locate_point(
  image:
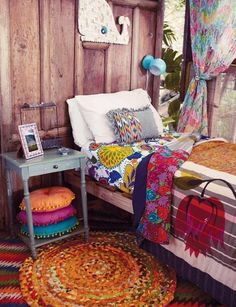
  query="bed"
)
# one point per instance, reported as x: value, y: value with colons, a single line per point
x: 199, y: 240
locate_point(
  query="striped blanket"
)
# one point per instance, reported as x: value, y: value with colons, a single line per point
x: 219, y: 260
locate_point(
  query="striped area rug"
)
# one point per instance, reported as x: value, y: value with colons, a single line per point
x: 12, y: 254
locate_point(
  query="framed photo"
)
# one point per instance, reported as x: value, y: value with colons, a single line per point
x: 30, y: 140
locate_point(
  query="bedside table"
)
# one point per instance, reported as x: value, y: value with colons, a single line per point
x: 50, y: 162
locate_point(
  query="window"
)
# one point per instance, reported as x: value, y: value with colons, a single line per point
x: 224, y: 113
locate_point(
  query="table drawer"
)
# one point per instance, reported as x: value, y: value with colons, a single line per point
x: 58, y: 166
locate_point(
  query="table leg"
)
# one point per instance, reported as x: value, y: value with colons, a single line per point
x: 29, y: 218
x: 84, y: 198
x: 60, y: 178
x: 9, y: 201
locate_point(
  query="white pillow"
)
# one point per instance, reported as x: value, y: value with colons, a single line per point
x: 95, y: 107
x: 88, y: 114
x: 157, y: 119
x: 80, y: 130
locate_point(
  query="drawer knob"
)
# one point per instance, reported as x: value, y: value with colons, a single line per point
x: 55, y: 166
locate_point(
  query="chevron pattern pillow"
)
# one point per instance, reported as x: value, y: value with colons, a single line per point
x: 131, y: 125
x: 127, y: 127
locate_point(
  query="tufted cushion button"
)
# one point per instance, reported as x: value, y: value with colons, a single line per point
x: 48, y: 199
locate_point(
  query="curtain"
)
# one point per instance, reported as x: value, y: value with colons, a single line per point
x: 213, y: 40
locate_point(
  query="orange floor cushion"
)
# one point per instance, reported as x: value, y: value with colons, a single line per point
x: 49, y: 199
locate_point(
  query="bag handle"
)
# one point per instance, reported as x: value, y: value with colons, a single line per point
x: 226, y: 182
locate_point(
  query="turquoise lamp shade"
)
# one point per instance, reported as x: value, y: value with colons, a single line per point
x: 156, y: 66
x: 147, y: 61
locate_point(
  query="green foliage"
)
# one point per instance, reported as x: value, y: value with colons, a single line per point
x: 173, y: 68
x: 168, y: 35
x: 172, y: 80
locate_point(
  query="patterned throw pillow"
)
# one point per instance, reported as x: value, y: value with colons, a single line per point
x: 133, y: 125
x: 49, y: 199
x: 128, y: 126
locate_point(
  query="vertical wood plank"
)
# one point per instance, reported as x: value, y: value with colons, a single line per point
x: 5, y: 76
x: 94, y: 68
x: 147, y: 30
x: 158, y: 49
x: 108, y: 69
x: 25, y: 59
x: 108, y: 64
x: 25, y: 64
x: 5, y: 101
x: 121, y: 55
x: 135, y: 48
x: 79, y: 59
x: 45, y: 68
x: 62, y: 29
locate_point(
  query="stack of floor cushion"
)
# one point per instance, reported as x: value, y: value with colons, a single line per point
x: 52, y: 212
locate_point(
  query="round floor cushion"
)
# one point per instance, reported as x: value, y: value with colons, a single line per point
x: 49, y: 199
x: 53, y: 230
x: 47, y: 217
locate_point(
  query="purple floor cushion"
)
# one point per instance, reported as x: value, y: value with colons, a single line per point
x: 48, y: 217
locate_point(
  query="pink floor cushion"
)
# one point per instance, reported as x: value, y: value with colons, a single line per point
x: 49, y: 217
x: 49, y: 199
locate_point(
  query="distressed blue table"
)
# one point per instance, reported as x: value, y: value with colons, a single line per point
x: 50, y: 162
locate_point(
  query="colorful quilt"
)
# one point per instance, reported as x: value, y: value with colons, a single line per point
x: 203, y: 211
x: 117, y: 166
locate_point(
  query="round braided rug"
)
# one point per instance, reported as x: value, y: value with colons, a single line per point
x: 108, y: 270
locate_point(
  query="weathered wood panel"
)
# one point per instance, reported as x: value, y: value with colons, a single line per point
x: 93, y: 71
x: 61, y: 44
x: 121, y: 55
x: 147, y: 35
x: 25, y: 56
x: 43, y: 59
x: 6, y: 113
x: 25, y: 64
x: 158, y: 50
x: 135, y: 48
x: 5, y: 101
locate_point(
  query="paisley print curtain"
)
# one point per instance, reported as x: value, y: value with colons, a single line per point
x: 213, y: 35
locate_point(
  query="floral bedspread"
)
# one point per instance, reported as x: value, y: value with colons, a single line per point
x: 116, y: 164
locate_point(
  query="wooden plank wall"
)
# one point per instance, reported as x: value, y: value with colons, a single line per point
x: 43, y: 59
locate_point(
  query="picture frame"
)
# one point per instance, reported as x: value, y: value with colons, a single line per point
x: 30, y: 140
